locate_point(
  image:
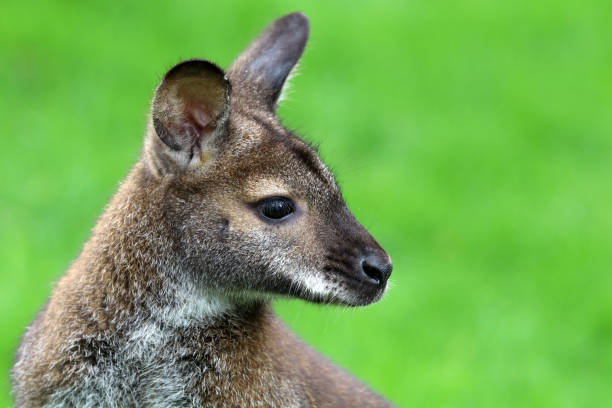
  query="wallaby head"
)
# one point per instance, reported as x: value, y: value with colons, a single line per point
x: 253, y: 210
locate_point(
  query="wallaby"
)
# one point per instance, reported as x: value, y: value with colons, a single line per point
x: 168, y: 304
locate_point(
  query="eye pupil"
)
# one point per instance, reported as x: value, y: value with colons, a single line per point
x: 276, y: 207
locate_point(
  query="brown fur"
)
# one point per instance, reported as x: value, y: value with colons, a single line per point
x: 122, y: 324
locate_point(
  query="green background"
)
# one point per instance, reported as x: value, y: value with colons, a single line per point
x: 473, y: 139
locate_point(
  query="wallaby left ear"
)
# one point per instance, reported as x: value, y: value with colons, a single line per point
x: 259, y: 73
x: 189, y: 110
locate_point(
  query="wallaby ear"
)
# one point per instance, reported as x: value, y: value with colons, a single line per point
x: 259, y: 73
x: 189, y: 110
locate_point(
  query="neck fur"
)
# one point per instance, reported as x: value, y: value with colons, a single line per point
x: 127, y: 268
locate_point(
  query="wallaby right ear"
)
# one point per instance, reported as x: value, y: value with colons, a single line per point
x: 189, y: 111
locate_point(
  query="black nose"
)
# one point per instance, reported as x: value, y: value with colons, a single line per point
x: 376, y: 269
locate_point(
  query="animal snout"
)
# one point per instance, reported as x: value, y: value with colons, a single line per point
x: 376, y: 269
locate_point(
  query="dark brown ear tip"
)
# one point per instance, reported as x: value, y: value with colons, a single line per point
x: 193, y: 67
x: 298, y: 18
x: 296, y: 22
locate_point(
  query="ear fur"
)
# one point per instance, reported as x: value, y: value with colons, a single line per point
x: 189, y: 111
x: 260, y: 72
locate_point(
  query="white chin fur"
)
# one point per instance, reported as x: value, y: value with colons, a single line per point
x: 320, y: 289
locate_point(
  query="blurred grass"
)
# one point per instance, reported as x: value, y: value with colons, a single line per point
x: 473, y: 139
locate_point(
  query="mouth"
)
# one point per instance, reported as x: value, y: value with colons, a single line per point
x: 356, y: 291
x: 345, y: 289
x: 361, y: 281
x: 346, y: 281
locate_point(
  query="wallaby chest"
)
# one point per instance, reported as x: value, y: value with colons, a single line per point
x: 160, y: 366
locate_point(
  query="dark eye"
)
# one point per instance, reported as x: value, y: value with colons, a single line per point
x: 276, y: 208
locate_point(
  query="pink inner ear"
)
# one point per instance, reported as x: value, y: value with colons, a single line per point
x: 200, y: 116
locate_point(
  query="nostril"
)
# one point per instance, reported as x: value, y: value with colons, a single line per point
x: 372, y: 272
x: 377, y: 273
